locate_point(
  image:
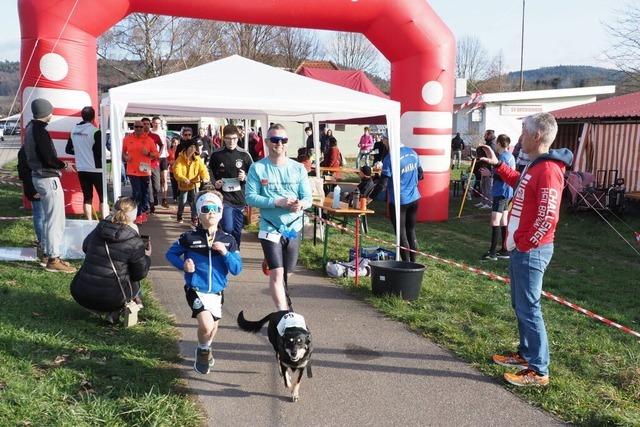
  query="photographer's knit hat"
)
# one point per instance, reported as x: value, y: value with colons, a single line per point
x: 41, y: 108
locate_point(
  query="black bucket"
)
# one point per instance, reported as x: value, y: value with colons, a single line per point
x: 401, y: 278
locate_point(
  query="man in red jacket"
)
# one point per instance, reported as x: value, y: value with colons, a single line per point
x: 532, y: 222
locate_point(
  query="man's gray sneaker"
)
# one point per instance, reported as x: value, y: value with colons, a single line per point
x: 204, y: 361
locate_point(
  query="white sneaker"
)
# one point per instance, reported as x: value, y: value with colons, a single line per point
x: 477, y: 205
x: 485, y: 207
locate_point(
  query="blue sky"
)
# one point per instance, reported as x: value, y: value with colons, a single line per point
x: 556, y: 31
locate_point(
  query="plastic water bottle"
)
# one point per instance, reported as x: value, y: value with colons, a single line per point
x: 336, y: 197
x: 355, y: 202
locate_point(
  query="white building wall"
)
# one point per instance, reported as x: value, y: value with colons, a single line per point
x: 503, y: 117
x: 348, y: 137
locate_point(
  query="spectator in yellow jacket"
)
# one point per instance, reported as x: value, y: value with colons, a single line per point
x: 189, y: 170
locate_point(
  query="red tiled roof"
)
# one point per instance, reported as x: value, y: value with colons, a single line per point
x: 327, y: 65
x: 624, y: 106
x: 352, y: 79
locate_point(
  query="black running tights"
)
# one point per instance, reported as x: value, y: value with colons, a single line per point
x: 408, y: 221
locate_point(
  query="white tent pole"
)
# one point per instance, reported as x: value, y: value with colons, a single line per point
x: 394, y: 150
x: 265, y: 135
x: 246, y: 134
x: 103, y: 141
x: 316, y: 143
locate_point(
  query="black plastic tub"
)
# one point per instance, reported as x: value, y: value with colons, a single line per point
x: 401, y: 278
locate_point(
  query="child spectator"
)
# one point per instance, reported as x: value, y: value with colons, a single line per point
x: 502, y: 194
x: 189, y: 171
x: 206, y: 255
x: 366, y: 185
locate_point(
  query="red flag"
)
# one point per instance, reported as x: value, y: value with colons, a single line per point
x: 474, y: 98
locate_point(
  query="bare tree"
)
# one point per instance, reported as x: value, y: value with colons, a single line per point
x: 354, y: 51
x: 496, y: 76
x: 201, y: 41
x: 257, y: 42
x: 155, y: 45
x: 151, y: 40
x: 295, y: 45
x: 471, y: 59
x: 625, y: 48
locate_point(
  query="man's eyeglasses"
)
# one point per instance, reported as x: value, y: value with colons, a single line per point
x: 186, y: 135
x: 205, y: 209
x: 230, y: 138
x: 276, y: 139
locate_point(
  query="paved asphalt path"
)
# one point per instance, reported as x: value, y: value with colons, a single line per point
x: 368, y: 370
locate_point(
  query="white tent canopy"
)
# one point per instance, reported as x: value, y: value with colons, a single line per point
x: 236, y: 87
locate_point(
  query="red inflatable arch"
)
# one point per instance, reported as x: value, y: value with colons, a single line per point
x: 58, y: 61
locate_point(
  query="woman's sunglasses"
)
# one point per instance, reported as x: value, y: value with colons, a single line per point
x: 276, y: 139
x: 205, y: 209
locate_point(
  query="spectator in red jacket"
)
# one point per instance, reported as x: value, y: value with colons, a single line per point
x: 532, y: 223
x: 333, y: 157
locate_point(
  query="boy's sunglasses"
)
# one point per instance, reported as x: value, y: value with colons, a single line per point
x: 205, y: 209
x: 276, y: 139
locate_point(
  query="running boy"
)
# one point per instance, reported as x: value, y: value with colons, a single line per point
x: 206, y: 255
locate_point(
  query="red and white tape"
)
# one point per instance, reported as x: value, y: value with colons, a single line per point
x: 495, y: 277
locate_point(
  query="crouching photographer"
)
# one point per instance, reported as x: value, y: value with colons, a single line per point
x: 116, y: 259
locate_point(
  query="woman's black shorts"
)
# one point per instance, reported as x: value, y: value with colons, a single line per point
x: 281, y: 254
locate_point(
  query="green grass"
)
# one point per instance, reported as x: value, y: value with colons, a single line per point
x: 595, y: 369
x: 11, y: 166
x: 59, y: 365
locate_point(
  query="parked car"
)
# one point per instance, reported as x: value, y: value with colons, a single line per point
x: 12, y: 128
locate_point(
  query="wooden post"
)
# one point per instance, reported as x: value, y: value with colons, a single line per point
x: 466, y: 189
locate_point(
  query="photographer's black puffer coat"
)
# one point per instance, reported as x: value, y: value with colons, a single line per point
x: 95, y: 285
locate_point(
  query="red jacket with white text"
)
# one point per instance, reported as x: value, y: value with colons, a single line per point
x: 536, y: 204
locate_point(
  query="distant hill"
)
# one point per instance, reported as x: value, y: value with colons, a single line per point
x: 558, y: 77
x: 566, y: 76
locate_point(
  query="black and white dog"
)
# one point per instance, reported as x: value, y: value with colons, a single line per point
x: 291, y: 340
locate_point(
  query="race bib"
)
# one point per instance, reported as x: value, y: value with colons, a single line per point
x: 291, y: 320
x: 272, y: 237
x: 144, y: 167
x: 230, y: 184
x: 212, y: 303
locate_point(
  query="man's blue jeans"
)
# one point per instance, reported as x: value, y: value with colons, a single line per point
x: 140, y: 192
x: 38, y: 221
x: 526, y: 270
x: 232, y: 221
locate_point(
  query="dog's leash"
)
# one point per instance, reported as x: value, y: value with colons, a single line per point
x: 286, y: 289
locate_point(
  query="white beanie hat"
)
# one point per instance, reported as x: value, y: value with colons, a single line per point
x: 207, y: 199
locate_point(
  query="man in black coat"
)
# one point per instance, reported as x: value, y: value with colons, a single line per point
x: 30, y: 192
x: 457, y: 145
x: 46, y: 170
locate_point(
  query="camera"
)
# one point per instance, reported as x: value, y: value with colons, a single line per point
x: 146, y: 239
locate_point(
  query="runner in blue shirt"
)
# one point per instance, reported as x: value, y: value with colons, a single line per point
x: 410, y: 174
x: 279, y: 187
